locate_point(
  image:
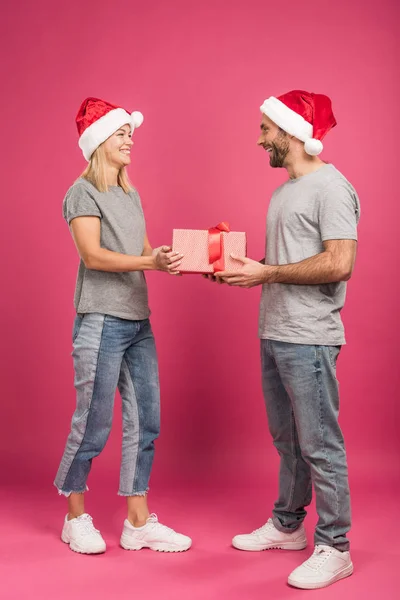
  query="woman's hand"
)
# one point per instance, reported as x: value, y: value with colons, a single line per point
x: 167, y: 260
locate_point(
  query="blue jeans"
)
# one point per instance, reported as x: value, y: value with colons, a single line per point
x: 302, y: 399
x: 109, y: 352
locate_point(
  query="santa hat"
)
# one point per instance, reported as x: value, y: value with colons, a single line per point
x: 306, y: 116
x: 97, y: 120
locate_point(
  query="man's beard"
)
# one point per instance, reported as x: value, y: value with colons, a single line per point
x: 280, y: 149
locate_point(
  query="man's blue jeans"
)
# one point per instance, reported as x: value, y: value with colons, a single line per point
x: 302, y: 400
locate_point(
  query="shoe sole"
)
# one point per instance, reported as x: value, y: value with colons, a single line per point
x: 314, y: 586
x: 75, y: 548
x: 155, y: 547
x: 284, y: 546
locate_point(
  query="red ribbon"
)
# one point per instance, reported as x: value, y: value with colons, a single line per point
x: 216, y: 246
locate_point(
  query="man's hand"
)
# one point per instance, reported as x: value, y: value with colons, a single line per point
x: 166, y: 260
x: 211, y: 277
x: 252, y: 273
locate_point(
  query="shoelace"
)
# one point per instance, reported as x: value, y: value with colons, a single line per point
x: 265, y: 528
x: 318, y: 557
x: 153, y: 519
x: 85, y: 524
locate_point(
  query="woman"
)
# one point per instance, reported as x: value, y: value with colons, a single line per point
x: 113, y: 344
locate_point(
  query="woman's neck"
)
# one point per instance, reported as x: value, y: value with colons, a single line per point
x: 112, y: 175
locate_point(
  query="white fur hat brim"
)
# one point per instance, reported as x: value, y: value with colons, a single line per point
x: 100, y: 130
x: 293, y: 123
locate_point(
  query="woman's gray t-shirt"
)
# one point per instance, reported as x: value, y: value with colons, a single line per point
x: 122, y: 229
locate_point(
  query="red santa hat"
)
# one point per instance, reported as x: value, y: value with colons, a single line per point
x: 306, y: 116
x: 97, y: 120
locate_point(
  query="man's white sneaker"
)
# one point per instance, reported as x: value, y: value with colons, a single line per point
x: 82, y: 536
x: 325, y: 566
x: 268, y: 537
x: 153, y: 535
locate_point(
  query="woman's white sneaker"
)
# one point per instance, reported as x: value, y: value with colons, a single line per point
x: 268, y: 537
x: 324, y: 567
x: 82, y: 536
x: 153, y: 535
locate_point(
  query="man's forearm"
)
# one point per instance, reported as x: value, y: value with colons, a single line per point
x: 318, y: 269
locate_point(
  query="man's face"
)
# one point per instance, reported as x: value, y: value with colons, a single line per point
x: 274, y: 141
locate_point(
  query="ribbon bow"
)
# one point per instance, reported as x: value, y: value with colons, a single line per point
x: 216, y: 246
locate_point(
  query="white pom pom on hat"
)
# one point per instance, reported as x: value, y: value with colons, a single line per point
x: 136, y: 119
x: 97, y: 120
x: 313, y: 147
x: 304, y: 115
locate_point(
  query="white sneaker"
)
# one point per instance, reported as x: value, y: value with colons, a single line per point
x: 325, y: 566
x: 153, y: 535
x: 81, y: 535
x: 268, y: 537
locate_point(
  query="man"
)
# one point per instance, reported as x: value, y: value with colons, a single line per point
x: 310, y: 254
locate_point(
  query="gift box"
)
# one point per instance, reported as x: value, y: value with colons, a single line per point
x: 209, y: 250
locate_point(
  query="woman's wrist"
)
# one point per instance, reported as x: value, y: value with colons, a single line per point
x: 149, y: 263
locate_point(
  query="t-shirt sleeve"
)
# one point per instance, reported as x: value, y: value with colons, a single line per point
x: 339, y: 213
x: 79, y: 203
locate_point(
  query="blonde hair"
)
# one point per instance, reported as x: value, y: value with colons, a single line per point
x: 95, y: 172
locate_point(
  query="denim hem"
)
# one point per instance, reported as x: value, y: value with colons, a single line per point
x: 67, y: 494
x: 127, y: 494
x: 343, y: 547
x: 281, y: 528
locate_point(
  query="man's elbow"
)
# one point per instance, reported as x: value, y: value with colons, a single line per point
x: 345, y: 273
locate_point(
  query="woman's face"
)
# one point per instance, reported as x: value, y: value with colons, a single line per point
x: 118, y: 147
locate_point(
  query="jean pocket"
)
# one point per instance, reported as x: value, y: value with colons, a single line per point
x: 333, y: 352
x: 77, y: 325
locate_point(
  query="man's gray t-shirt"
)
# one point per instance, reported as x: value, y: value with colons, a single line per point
x: 122, y: 229
x: 303, y: 213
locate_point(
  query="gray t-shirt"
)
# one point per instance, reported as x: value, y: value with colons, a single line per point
x: 122, y: 229
x: 303, y: 213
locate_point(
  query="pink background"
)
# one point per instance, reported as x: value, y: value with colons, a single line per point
x: 199, y: 72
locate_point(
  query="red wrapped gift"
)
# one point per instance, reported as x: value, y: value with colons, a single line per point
x: 208, y: 251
